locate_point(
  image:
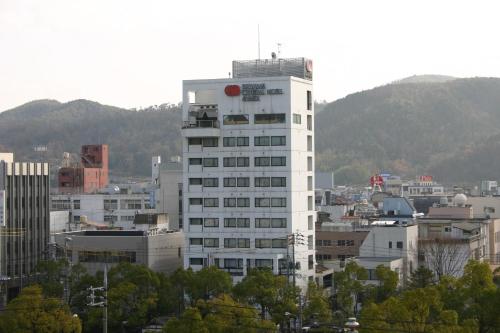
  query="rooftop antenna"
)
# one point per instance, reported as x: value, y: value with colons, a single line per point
x: 258, y: 40
x: 279, y: 50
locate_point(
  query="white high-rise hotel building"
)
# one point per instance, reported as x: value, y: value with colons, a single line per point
x: 248, y: 150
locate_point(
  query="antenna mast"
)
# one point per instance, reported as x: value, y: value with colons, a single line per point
x: 258, y: 40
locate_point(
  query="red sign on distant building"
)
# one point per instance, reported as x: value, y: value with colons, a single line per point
x: 376, y: 180
x: 232, y: 90
x: 425, y: 178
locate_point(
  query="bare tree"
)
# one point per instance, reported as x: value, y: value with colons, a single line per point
x: 445, y: 256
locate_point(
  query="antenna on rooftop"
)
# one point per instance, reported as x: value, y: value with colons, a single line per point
x: 279, y: 50
x: 258, y: 40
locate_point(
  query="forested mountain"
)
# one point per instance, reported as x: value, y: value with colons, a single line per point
x: 133, y: 136
x: 449, y: 127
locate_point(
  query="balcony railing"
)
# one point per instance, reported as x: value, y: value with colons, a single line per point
x: 201, y: 124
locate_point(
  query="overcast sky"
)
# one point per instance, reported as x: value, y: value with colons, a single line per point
x: 133, y: 53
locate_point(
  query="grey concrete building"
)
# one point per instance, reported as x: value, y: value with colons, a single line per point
x: 24, y: 220
x: 161, y: 252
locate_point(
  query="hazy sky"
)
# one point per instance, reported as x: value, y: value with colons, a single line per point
x: 133, y: 53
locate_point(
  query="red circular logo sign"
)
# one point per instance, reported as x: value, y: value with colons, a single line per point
x: 309, y: 66
x: 232, y: 90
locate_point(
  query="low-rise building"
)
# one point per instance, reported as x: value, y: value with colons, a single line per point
x: 338, y: 240
x: 160, y: 251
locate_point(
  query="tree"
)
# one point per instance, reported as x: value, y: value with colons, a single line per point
x: 348, y: 287
x: 189, y: 322
x: 420, y: 278
x: 31, y: 312
x: 388, y: 283
x: 414, y: 311
x: 445, y: 257
x: 209, y: 282
x: 51, y: 275
x: 317, y: 305
x: 271, y: 293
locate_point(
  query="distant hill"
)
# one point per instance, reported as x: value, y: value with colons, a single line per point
x: 407, y: 128
x: 449, y: 128
x: 429, y: 78
x: 133, y: 136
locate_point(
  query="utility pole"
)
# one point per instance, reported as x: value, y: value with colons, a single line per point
x: 293, y: 239
x: 103, y: 300
x: 67, y: 269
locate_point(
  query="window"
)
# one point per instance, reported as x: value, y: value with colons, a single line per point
x: 296, y: 118
x: 211, y: 242
x: 243, y: 181
x: 229, y: 142
x: 280, y: 243
x: 399, y: 245
x: 244, y: 243
x: 262, y: 202
x: 243, y: 141
x: 194, y: 141
x: 195, y: 161
x: 309, y: 183
x: 76, y: 204
x: 309, y: 143
x: 232, y: 222
x: 229, y: 182
x: 76, y: 218
x: 211, y: 182
x: 262, y: 161
x: 310, y: 223
x: 309, y: 122
x: 229, y: 202
x: 127, y: 218
x: 278, y: 202
x: 262, y: 182
x: 278, y: 181
x: 237, y: 242
x: 278, y: 141
x: 211, y: 202
x: 195, y: 181
x: 390, y: 244
x: 269, y: 118
x: 278, y: 161
x: 236, y: 119
x: 195, y: 201
x: 230, y: 242
x: 264, y: 263
x: 195, y: 221
x: 210, y: 142
x: 310, y: 262
x: 195, y: 241
x: 196, y: 261
x: 229, y: 161
x: 309, y: 163
x: 233, y: 263
x: 323, y: 242
x: 278, y: 222
x: 261, y: 141
x: 310, y: 203
x: 262, y: 243
x: 109, y: 204
x: 309, y: 100
x: 130, y: 204
x: 211, y: 162
x: 243, y: 202
x: 262, y: 223
x: 243, y: 161
x: 211, y: 222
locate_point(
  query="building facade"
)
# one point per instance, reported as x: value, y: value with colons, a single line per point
x: 161, y: 252
x: 24, y: 220
x: 90, y: 175
x: 107, y: 209
x: 248, y: 168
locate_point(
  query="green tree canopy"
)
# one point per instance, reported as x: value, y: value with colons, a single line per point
x: 32, y: 312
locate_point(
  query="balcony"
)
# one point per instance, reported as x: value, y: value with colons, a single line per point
x: 201, y: 128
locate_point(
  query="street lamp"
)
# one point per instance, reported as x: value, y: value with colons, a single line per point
x: 351, y: 325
